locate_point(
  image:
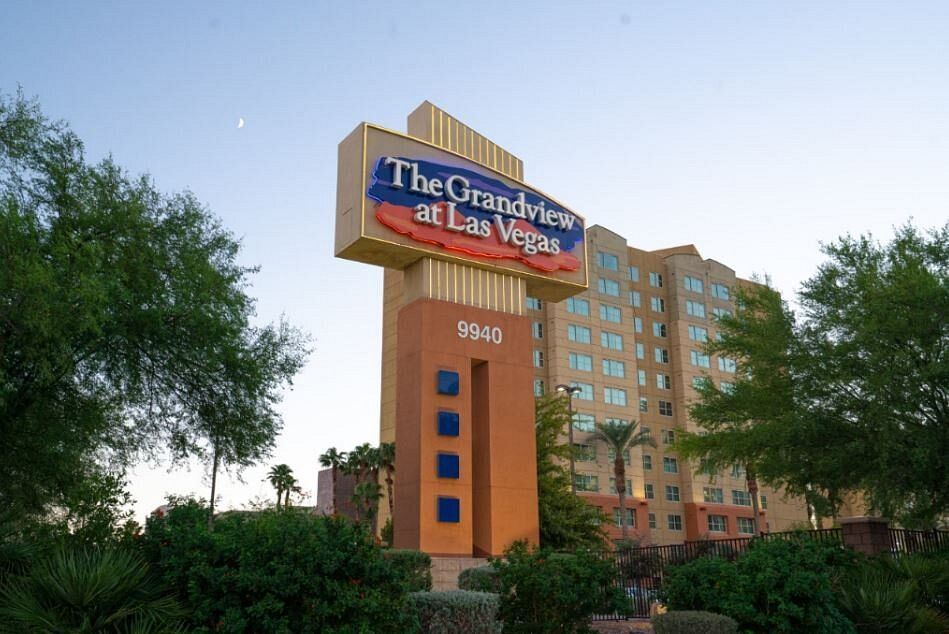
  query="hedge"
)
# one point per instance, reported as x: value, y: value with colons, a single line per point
x: 456, y: 611
x: 689, y: 622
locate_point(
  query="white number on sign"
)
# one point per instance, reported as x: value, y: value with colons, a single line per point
x: 475, y: 332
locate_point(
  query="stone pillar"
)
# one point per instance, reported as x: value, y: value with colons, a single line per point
x: 867, y: 535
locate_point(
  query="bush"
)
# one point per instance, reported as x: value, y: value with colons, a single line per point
x: 689, y: 622
x: 271, y: 571
x: 456, y: 611
x: 480, y: 579
x: 542, y: 591
x: 774, y: 586
x: 85, y: 590
x: 908, y: 595
x: 415, y: 568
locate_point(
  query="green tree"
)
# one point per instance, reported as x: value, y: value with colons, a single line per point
x: 125, y: 328
x: 621, y: 438
x: 335, y: 460
x: 851, y: 396
x: 566, y: 521
x: 282, y: 479
x: 387, y: 464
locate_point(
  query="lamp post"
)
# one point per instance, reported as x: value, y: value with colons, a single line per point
x: 570, y: 390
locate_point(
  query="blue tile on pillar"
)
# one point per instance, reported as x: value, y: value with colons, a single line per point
x: 449, y: 509
x: 448, y: 465
x: 448, y: 382
x: 447, y: 423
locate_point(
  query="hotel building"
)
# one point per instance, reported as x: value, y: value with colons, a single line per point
x: 633, y: 346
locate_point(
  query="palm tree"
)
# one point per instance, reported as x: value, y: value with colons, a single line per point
x: 334, y: 460
x: 621, y: 437
x: 281, y: 478
x: 387, y: 463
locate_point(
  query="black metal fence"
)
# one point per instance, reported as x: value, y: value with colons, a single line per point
x: 904, y: 541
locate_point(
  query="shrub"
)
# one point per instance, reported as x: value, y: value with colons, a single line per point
x: 456, y: 611
x: 774, y: 586
x: 85, y: 590
x: 690, y: 622
x: 271, y: 571
x: 542, y: 591
x: 480, y: 579
x: 415, y: 568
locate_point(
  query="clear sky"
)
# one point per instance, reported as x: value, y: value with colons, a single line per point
x: 754, y: 130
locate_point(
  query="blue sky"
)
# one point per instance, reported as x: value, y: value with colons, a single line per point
x: 751, y: 129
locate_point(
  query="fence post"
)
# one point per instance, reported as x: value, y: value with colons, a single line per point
x: 867, y: 535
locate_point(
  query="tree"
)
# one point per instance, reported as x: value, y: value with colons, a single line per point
x: 852, y: 396
x: 334, y: 460
x: 281, y: 478
x: 622, y: 437
x: 125, y: 327
x: 365, y: 498
x: 566, y: 521
x: 387, y: 464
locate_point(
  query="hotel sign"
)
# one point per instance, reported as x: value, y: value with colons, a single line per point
x: 401, y: 198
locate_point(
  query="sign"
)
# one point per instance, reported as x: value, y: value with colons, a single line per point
x: 400, y: 199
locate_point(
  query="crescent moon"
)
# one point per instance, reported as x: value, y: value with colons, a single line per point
x: 240, y: 122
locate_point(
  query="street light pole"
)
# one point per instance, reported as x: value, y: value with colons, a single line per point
x: 570, y: 390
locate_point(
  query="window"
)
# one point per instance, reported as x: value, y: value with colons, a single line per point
x: 713, y: 495
x: 643, y: 404
x: 655, y: 280
x: 611, y: 367
x: 674, y: 522
x: 695, y: 309
x: 538, y: 359
x: 579, y: 334
x: 609, y: 420
x: 652, y: 521
x: 586, y: 390
x: 764, y: 502
x: 638, y: 324
x: 647, y: 462
x: 741, y: 498
x: 727, y: 388
x: 699, y: 358
x: 584, y: 422
x: 590, y: 483
x: 668, y: 436
x: 658, y: 329
x: 611, y: 455
x: 661, y: 355
x: 706, y: 467
x: 635, y: 299
x: 726, y: 365
x: 538, y: 387
x: 664, y: 381
x: 721, y: 312
x: 607, y: 261
x: 670, y: 465
x: 629, y: 520
x: 699, y: 382
x: 642, y: 376
x: 633, y: 273
x: 657, y: 304
x: 582, y: 362
x: 746, y: 525
x: 578, y: 306
x: 693, y: 284
x: 697, y: 333
x: 537, y: 329
x: 610, y: 313
x: 665, y: 408
x: 672, y: 493
x: 645, y: 429
x: 738, y: 471
x: 720, y: 291
x: 614, y: 396
x: 584, y: 453
x: 629, y: 487
x: 608, y: 287
x: 611, y: 341
x: 649, y: 492
x: 717, y: 524
x: 534, y: 304
x: 640, y: 352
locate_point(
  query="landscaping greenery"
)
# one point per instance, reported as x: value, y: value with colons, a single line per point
x: 621, y: 438
x: 852, y: 393
x: 693, y: 621
x: 457, y: 612
x: 479, y: 579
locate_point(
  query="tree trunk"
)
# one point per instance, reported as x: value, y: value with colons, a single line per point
x: 752, y: 482
x: 286, y: 499
x: 214, y: 467
x: 619, y: 472
x: 335, y: 487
